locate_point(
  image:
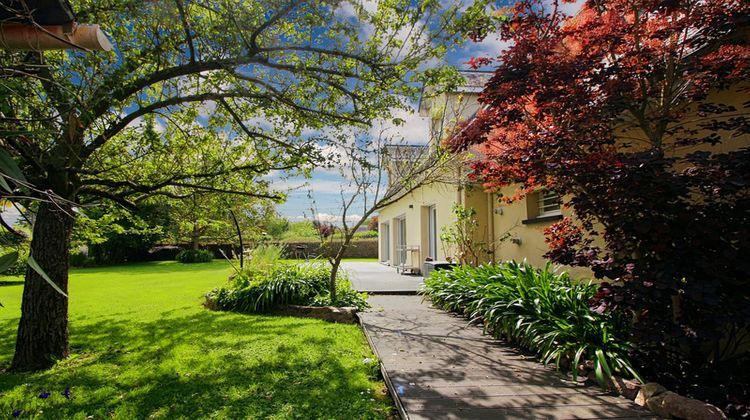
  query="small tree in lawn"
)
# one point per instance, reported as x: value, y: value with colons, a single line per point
x: 203, y: 217
x: 366, y: 162
x: 620, y: 109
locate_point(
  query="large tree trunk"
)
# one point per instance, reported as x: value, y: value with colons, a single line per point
x: 43, y: 329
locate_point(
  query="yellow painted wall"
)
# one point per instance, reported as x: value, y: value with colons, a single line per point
x: 441, y: 195
x: 476, y: 198
x: 517, y: 241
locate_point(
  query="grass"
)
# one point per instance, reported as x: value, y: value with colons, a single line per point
x: 144, y: 347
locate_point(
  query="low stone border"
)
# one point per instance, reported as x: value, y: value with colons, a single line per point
x: 662, y: 402
x: 344, y: 315
x: 384, y: 373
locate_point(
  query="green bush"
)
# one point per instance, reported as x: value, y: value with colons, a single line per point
x: 19, y: 267
x: 366, y: 234
x: 539, y: 310
x: 265, y: 256
x: 194, y: 256
x: 345, y: 296
x: 300, y: 230
x: 79, y: 259
x: 284, y: 283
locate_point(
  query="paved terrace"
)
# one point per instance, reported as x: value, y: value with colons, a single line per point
x: 442, y: 368
x: 378, y: 278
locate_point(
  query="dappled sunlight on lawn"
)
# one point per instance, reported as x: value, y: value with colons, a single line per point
x: 142, y: 345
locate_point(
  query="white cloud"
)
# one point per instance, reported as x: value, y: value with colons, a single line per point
x: 316, y: 185
x: 570, y: 9
x: 414, y: 130
x: 491, y: 46
x: 335, y: 218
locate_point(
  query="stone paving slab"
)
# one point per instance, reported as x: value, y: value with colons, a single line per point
x: 375, y: 277
x: 440, y: 367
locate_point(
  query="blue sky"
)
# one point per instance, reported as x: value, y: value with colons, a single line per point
x: 325, y: 185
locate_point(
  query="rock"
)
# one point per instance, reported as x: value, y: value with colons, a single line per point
x: 668, y: 404
x: 585, y: 368
x: 656, y: 405
x: 648, y: 391
x: 344, y: 315
x: 626, y: 387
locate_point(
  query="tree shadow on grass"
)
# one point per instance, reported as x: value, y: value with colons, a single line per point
x: 153, y: 268
x: 204, y: 364
x: 14, y: 282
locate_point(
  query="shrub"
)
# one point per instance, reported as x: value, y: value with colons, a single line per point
x: 264, y: 256
x: 79, y: 259
x: 366, y: 234
x: 188, y: 256
x: 345, y: 296
x: 540, y: 310
x: 19, y: 267
x: 283, y: 283
x: 301, y: 230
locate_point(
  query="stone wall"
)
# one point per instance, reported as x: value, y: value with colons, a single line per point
x: 359, y: 248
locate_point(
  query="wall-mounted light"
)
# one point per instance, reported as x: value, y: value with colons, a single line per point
x: 516, y: 240
x: 411, y: 206
x: 499, y: 211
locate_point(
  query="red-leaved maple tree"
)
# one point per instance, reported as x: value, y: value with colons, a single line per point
x: 636, y: 111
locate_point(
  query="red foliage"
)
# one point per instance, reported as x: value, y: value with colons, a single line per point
x: 325, y: 229
x: 613, y: 108
x: 372, y: 224
x: 477, y: 62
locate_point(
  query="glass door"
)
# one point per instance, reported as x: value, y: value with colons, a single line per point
x: 432, y: 232
x: 401, y: 241
x: 385, y: 244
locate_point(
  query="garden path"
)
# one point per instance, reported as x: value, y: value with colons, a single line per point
x: 441, y: 368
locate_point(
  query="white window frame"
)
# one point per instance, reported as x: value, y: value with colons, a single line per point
x: 546, y: 208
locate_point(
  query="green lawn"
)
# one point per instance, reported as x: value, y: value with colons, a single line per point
x: 144, y: 347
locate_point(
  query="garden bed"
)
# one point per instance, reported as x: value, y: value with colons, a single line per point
x: 548, y: 314
x: 341, y: 315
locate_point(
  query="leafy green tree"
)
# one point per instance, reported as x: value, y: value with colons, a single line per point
x: 205, y: 217
x: 115, y: 235
x: 194, y: 92
x: 274, y: 225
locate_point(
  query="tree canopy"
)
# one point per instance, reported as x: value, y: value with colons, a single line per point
x: 198, y: 96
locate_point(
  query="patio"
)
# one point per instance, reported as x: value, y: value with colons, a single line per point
x: 376, y: 278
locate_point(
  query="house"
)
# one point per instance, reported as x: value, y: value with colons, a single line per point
x: 411, y: 227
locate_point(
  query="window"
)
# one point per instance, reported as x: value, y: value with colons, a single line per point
x: 432, y: 232
x: 549, y: 204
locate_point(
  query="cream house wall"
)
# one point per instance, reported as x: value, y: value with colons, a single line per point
x: 474, y: 197
x: 448, y: 109
x: 516, y: 240
x: 413, y: 207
